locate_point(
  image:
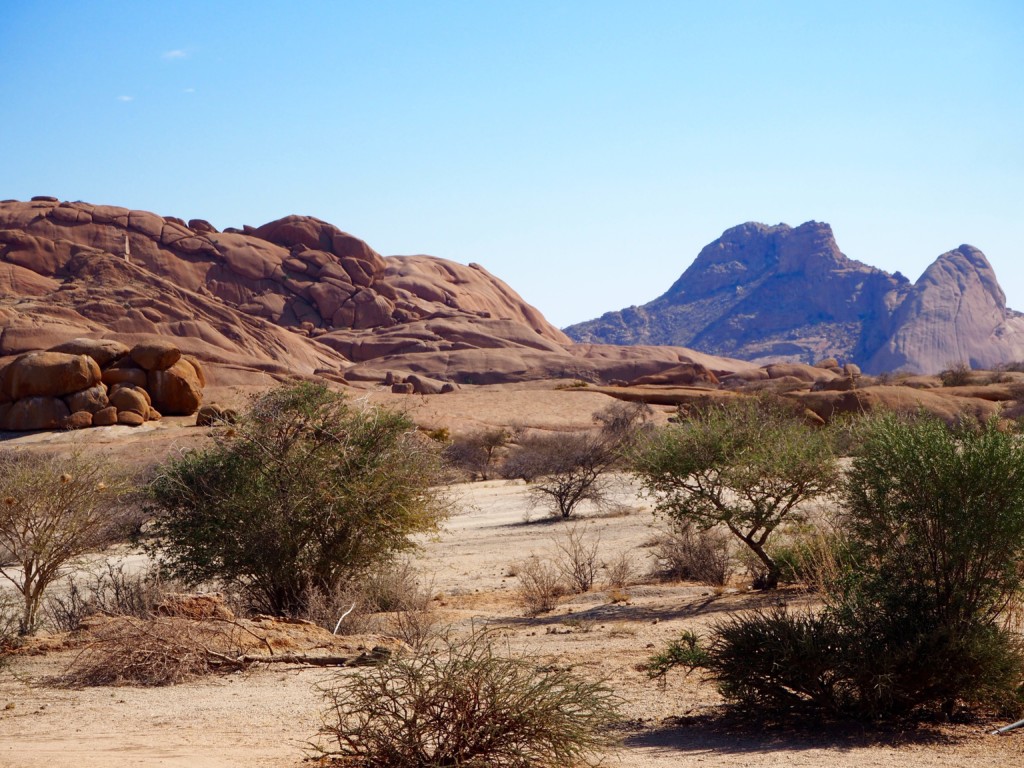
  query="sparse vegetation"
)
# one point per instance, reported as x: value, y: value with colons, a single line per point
x: 462, y: 703
x: 745, y: 465
x: 540, y: 584
x: 305, y: 494
x: 956, y: 375
x: 620, y: 571
x: 477, y: 452
x: 565, y: 469
x: 686, y: 553
x: 53, y: 509
x: 914, y: 617
x: 112, y: 590
x: 156, y: 651
x: 577, y: 557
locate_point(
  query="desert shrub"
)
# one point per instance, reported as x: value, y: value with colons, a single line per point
x: 813, y: 555
x: 684, y: 651
x: 563, y: 469
x: 956, y: 375
x: 576, y: 552
x: 775, y: 661
x: 54, y: 509
x: 400, y: 602
x: 461, y: 703
x: 113, y: 591
x: 744, y: 465
x: 540, y: 585
x: 686, y: 553
x: 126, y: 650
x: 620, y: 571
x: 10, y: 615
x: 936, y: 517
x: 305, y: 493
x: 477, y: 452
x: 440, y: 435
x: 391, y: 598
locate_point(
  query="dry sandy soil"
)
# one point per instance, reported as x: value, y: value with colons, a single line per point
x: 268, y: 716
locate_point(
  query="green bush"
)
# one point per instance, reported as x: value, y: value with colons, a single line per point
x: 463, y: 704
x: 304, y: 494
x: 774, y: 661
x: 936, y: 518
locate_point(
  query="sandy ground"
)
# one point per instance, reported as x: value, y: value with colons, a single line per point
x: 267, y: 717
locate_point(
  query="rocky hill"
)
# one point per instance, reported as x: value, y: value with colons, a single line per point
x: 764, y: 294
x: 296, y: 296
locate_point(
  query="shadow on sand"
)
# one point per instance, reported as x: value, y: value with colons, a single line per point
x: 722, y: 734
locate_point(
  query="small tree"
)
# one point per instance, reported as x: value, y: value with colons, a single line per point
x: 745, y: 464
x: 304, y: 494
x: 568, y: 468
x: 476, y: 452
x: 564, y: 469
x: 53, y: 509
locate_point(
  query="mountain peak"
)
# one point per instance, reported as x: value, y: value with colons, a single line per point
x: 763, y: 293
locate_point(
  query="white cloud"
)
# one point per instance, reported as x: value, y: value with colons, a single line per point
x: 177, y: 53
x: 189, y: 90
x: 125, y: 98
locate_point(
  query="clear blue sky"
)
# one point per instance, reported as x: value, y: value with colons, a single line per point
x: 582, y: 151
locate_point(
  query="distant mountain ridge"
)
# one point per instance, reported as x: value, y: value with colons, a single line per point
x: 769, y: 293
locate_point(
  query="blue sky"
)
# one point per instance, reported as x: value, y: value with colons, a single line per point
x: 584, y: 152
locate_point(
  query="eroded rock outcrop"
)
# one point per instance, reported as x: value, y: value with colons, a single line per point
x: 64, y: 390
x: 296, y: 296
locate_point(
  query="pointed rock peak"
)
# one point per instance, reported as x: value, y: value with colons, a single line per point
x: 745, y: 253
x: 963, y: 268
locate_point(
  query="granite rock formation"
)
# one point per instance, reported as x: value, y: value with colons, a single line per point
x: 296, y: 296
x: 81, y: 383
x: 763, y: 293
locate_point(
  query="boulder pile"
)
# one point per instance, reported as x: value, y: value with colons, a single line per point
x: 96, y: 383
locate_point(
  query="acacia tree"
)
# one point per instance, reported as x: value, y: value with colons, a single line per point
x: 567, y: 468
x: 304, y: 494
x: 53, y: 509
x: 745, y: 464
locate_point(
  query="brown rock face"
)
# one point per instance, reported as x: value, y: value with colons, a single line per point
x: 105, y: 418
x: 103, y: 351
x: 155, y: 355
x: 130, y: 419
x: 49, y: 374
x: 176, y: 391
x: 685, y: 375
x: 92, y: 399
x: 782, y: 294
x: 259, y: 299
x: 31, y: 413
x: 294, y: 296
x: 77, y: 420
x: 130, y: 398
x: 124, y: 371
